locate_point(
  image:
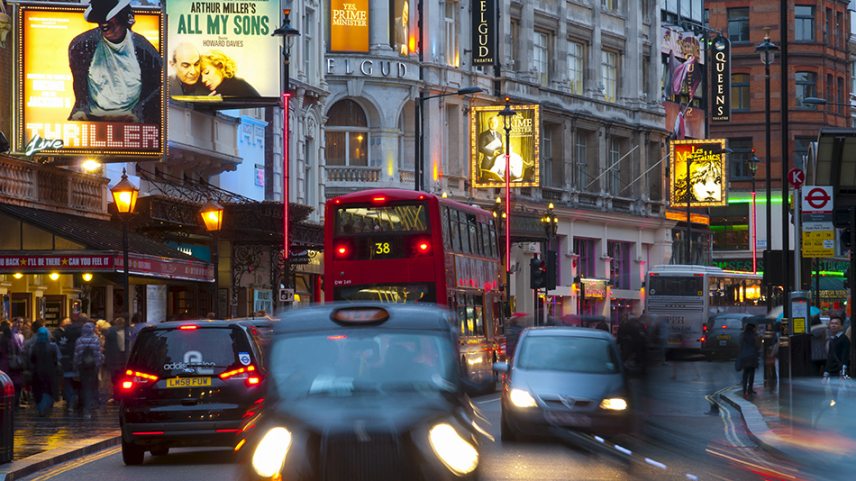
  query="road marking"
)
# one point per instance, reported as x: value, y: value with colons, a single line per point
x: 488, y: 401
x: 69, y: 465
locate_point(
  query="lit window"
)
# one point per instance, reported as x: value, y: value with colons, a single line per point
x: 576, y: 67
x: 347, y: 135
x: 609, y: 68
x: 540, y: 57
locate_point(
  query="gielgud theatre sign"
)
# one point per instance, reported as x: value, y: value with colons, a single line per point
x: 87, y: 90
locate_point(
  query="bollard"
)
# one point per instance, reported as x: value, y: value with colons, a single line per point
x: 7, y: 417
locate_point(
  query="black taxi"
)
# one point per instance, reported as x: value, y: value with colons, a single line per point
x: 364, y: 391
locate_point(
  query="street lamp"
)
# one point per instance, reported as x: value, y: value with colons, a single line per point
x: 499, y: 222
x: 753, y: 167
x: 550, y: 221
x: 507, y: 115
x: 212, y: 217
x: 767, y: 51
x: 419, y: 164
x: 124, y: 200
x: 289, y: 34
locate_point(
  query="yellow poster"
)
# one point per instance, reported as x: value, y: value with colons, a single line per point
x: 488, y: 148
x: 698, y: 173
x: 349, y: 26
x: 818, y: 243
x: 79, y: 98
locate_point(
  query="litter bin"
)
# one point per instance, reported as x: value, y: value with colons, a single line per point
x: 7, y: 416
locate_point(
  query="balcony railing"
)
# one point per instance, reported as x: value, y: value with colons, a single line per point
x: 352, y: 174
x: 44, y: 187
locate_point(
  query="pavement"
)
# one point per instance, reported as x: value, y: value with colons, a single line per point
x: 42, y: 442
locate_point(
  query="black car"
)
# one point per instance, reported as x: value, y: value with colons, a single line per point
x: 188, y: 383
x: 364, y: 392
x: 722, y: 335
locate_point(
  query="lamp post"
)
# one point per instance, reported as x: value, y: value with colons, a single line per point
x: 689, y: 195
x: 289, y: 34
x: 550, y: 221
x: 767, y: 50
x: 753, y: 167
x: 499, y: 216
x: 419, y: 164
x: 507, y: 115
x: 124, y: 200
x: 212, y: 217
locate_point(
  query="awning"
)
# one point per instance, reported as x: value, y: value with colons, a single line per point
x: 103, y: 253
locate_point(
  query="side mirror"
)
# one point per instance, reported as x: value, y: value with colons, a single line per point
x: 500, y: 367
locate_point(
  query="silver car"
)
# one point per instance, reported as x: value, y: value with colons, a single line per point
x: 564, y: 377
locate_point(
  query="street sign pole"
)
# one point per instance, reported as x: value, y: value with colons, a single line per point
x: 797, y: 240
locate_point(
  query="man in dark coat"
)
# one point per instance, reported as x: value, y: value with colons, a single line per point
x: 838, y: 353
x: 116, y: 73
x: 65, y: 337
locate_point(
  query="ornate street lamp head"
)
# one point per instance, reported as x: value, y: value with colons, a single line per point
x: 212, y: 216
x: 125, y: 196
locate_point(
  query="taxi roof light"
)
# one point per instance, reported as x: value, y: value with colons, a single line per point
x: 359, y: 315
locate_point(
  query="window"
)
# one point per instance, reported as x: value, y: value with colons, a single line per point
x: 801, y: 145
x: 609, y: 67
x: 541, y: 57
x: 853, y: 77
x: 738, y: 24
x: 347, y: 135
x: 828, y: 30
x: 585, y: 249
x: 400, y: 29
x: 619, y: 269
x: 839, y: 33
x: 806, y: 87
x: 581, y: 161
x: 614, y: 164
x: 804, y: 23
x: 309, y: 62
x: 576, y: 67
x: 609, y: 5
x: 515, y: 44
x: 733, y: 235
x: 451, y: 24
x: 547, y: 156
x: 739, y: 158
x: 829, y: 93
x: 841, y: 95
x: 740, y: 92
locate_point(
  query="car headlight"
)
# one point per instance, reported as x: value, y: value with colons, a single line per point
x: 522, y: 399
x: 454, y: 451
x: 269, y: 456
x: 614, y: 404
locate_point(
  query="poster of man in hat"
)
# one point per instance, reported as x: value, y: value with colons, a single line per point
x: 116, y: 72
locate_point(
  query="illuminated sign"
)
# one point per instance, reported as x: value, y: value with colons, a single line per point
x: 79, y: 99
x: 488, y: 149
x: 484, y: 32
x: 721, y: 65
x: 681, y: 216
x: 349, y: 25
x: 594, y: 288
x: 222, y: 51
x: 697, y: 173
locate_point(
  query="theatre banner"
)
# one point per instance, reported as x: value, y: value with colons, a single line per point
x: 222, y: 51
x: 349, y: 26
x: 488, y: 149
x: 698, y: 173
x: 77, y: 96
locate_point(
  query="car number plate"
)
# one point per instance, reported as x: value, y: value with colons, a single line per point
x: 723, y: 337
x: 188, y: 382
x: 723, y: 343
x: 569, y: 419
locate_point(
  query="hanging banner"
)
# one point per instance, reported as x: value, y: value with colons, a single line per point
x: 223, y: 52
x: 488, y: 149
x: 697, y: 173
x: 721, y: 64
x: 349, y: 25
x: 84, y: 90
x: 484, y: 32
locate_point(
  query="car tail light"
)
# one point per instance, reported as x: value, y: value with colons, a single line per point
x: 133, y: 379
x: 422, y: 246
x: 343, y: 251
x: 188, y: 327
x: 724, y: 326
x: 379, y: 199
x: 249, y: 374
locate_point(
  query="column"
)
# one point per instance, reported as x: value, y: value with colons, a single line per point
x: 593, y: 76
x: 379, y: 25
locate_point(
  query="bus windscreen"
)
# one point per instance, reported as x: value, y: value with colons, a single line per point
x: 676, y: 286
x: 387, y: 219
x: 396, y: 293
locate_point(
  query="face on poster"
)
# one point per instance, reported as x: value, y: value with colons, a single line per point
x: 349, y: 25
x: 488, y: 149
x: 81, y: 97
x: 222, y: 50
x: 706, y: 184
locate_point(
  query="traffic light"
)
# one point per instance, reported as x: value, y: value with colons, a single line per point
x: 550, y: 281
x: 537, y: 274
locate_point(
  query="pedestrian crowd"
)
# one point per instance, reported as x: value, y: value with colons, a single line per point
x: 78, y: 363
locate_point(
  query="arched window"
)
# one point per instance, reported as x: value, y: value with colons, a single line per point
x: 347, y: 134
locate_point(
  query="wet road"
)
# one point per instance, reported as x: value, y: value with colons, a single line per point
x: 678, y: 437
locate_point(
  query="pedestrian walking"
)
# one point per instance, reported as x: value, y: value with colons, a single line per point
x: 12, y: 360
x: 114, y: 351
x: 45, y: 360
x: 818, y: 345
x: 838, y: 349
x: 88, y: 359
x: 747, y: 358
x: 65, y: 337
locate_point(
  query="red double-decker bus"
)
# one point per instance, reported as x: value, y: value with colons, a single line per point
x: 405, y: 246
